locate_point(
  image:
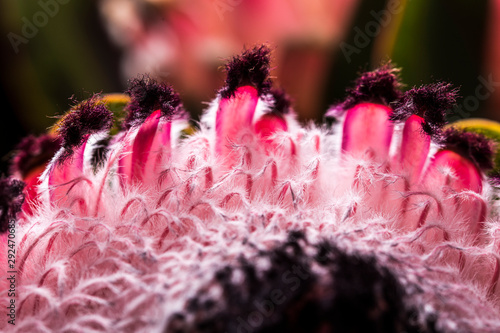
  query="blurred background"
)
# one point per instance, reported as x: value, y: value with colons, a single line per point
x: 55, y: 49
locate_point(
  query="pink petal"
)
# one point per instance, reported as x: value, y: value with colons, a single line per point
x: 268, y: 125
x: 125, y: 162
x: 134, y: 163
x: 367, y: 130
x: 160, y: 148
x: 467, y: 175
x: 459, y: 190
x: 414, y: 147
x: 63, y: 175
x: 234, y: 120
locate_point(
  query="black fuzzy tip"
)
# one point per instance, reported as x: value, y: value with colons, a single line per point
x: 279, y: 101
x: 90, y: 116
x: 476, y: 147
x: 33, y: 152
x: 381, y: 86
x: 494, y: 179
x: 148, y: 95
x: 11, y: 201
x: 430, y: 102
x: 252, y: 67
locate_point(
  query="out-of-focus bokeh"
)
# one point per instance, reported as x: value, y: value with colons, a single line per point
x: 54, y: 49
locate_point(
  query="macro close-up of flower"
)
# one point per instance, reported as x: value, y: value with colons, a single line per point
x: 250, y: 166
x: 131, y: 218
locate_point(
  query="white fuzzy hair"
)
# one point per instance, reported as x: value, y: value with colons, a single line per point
x: 112, y: 259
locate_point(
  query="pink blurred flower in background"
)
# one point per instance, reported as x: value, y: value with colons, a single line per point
x: 187, y: 41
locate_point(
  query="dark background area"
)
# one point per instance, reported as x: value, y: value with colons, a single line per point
x: 71, y: 55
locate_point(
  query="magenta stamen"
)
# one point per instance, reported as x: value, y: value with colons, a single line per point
x: 367, y: 127
x: 234, y: 119
x: 415, y: 147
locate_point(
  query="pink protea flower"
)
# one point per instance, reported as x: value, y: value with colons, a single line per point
x: 384, y: 222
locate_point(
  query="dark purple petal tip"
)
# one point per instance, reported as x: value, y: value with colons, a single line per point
x: 148, y: 95
x: 11, y: 201
x: 494, y: 179
x: 430, y: 102
x: 474, y: 146
x: 380, y: 86
x: 90, y: 116
x: 252, y: 67
x: 33, y: 152
x: 280, y: 101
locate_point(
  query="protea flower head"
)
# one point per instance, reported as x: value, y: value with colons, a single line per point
x: 384, y: 222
